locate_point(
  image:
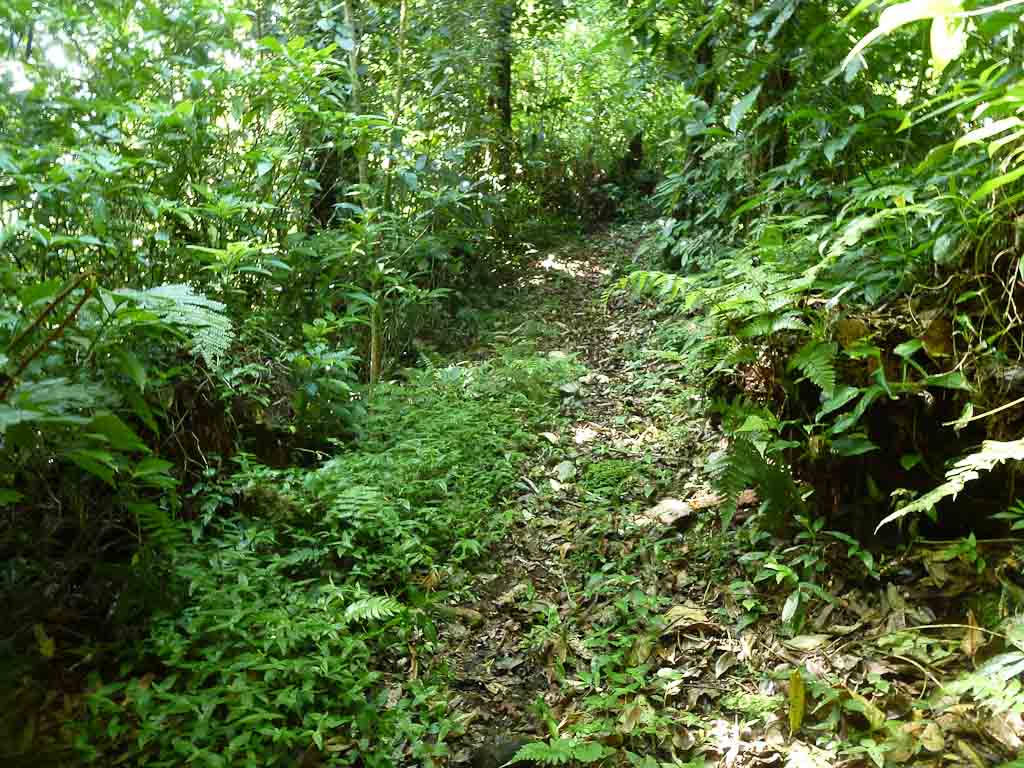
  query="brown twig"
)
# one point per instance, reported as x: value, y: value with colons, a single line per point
x: 54, y: 335
x: 47, y: 310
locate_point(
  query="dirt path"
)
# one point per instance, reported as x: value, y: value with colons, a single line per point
x: 603, y: 465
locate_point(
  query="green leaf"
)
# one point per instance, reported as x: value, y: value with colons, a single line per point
x: 857, y: 703
x: 740, y: 109
x: 948, y: 38
x: 10, y: 416
x: 992, y: 185
x: 842, y: 396
x: 945, y: 251
x: 908, y: 348
x: 151, y: 466
x: 837, y: 145
x: 46, y: 644
x: 132, y: 366
x: 120, y: 435
x: 896, y: 16
x: 756, y: 423
x: 853, y: 446
x: 141, y: 409
x: 871, y: 394
x: 411, y: 180
x: 9, y: 496
x: 988, y: 131
x: 910, y: 460
x: 35, y: 293
x: 99, y: 463
x: 590, y: 752
x: 791, y: 606
x: 816, y: 361
x: 951, y: 380
x: 964, y: 471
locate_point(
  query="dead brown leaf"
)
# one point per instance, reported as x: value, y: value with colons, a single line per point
x: 973, y: 638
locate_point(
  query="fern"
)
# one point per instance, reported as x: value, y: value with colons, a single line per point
x: 166, y: 533
x: 744, y: 467
x: 559, y: 752
x: 770, y: 322
x: 816, y: 361
x: 666, y: 286
x: 373, y: 608
x: 203, y: 319
x: 995, y: 684
x: 963, y: 472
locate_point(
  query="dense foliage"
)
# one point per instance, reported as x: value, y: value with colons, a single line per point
x: 844, y: 205
x: 240, y: 242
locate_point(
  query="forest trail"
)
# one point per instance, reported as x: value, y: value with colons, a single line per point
x: 577, y: 578
x: 617, y: 617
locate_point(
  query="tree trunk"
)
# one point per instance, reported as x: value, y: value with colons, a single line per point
x: 396, y: 115
x: 356, y: 100
x: 501, y: 101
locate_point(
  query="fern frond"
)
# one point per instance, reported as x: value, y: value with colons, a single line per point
x: 166, y: 533
x: 744, y: 467
x: 560, y: 752
x: 373, y: 608
x: 202, y: 318
x: 771, y: 322
x: 816, y: 361
x: 995, y: 684
x: 964, y: 471
x: 557, y: 752
x: 666, y: 286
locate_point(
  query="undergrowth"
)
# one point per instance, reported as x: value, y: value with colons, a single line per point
x: 303, y: 628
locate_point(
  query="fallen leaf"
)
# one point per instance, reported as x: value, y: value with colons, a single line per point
x: 641, y: 650
x: 510, y: 596
x: 895, y: 598
x: 938, y: 338
x: 508, y: 663
x: 584, y: 435
x: 747, y: 499
x: 932, y: 738
x: 683, y: 616
x: 806, y: 642
x: 551, y: 437
x: 808, y: 756
x: 669, y: 512
x: 565, y: 471
x: 724, y: 663
x: 580, y: 649
x: 850, y: 330
x: 973, y: 639
x: 461, y: 614
x: 704, y: 501
x: 797, y: 701
x: 636, y: 712
x: 683, y: 738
